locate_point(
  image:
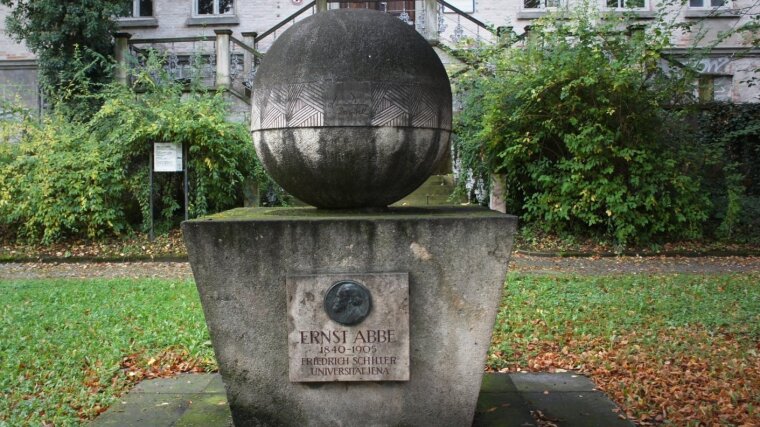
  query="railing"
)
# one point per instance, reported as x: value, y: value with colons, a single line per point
x: 461, y: 29
x: 243, y: 61
x: 263, y: 41
x: 221, y: 61
x: 225, y: 62
x: 437, y: 20
x: 188, y: 60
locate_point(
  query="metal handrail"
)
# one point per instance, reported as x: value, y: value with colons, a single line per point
x: 173, y: 40
x: 285, y: 21
x: 245, y: 47
x: 466, y: 16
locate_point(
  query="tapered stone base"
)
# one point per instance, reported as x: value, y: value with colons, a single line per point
x: 456, y: 260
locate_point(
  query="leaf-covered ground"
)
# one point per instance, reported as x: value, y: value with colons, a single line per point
x: 519, y: 263
x: 673, y: 349
x: 530, y: 242
x: 677, y: 349
x: 136, y: 247
x: 171, y: 246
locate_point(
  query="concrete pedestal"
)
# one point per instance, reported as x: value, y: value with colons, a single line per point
x: 456, y: 260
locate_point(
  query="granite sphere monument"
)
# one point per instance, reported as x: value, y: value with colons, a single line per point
x: 351, y: 108
x: 378, y: 317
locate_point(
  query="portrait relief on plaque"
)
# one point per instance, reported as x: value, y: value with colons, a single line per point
x: 348, y: 302
x: 348, y: 327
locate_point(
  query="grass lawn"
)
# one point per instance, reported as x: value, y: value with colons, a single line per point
x: 69, y: 347
x: 681, y: 349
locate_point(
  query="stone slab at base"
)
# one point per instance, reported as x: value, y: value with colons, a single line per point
x: 197, y: 400
x: 456, y: 260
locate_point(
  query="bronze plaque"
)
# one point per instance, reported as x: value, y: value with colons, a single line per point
x: 348, y: 302
x: 348, y: 327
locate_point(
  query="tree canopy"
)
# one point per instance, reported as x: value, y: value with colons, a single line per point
x: 55, y: 30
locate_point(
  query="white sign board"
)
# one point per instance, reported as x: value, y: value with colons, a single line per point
x: 167, y: 157
x: 467, y: 6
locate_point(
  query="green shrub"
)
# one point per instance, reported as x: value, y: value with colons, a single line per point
x: 730, y: 134
x: 63, y: 35
x: 58, y: 182
x: 578, y: 120
x: 66, y: 178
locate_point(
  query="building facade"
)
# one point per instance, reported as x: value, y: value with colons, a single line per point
x: 192, y: 28
x: 18, y: 70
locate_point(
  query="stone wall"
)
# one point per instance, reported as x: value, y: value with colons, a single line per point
x: 9, y: 49
x: 18, y: 84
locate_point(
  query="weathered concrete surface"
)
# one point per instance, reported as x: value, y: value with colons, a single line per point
x: 170, y: 402
x: 456, y: 259
x: 504, y: 401
x: 335, y: 167
x: 541, y: 399
x: 351, y: 108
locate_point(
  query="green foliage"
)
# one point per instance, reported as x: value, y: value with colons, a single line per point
x: 68, y: 178
x: 63, y: 342
x: 57, y: 181
x: 730, y: 135
x: 56, y: 29
x: 579, y: 122
x: 468, y: 150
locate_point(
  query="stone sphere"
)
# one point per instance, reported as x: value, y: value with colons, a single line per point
x: 351, y: 109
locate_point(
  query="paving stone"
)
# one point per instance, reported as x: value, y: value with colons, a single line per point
x: 540, y: 382
x: 208, y: 410
x: 506, y: 400
x: 586, y: 409
x: 497, y: 383
x: 183, y: 383
x: 502, y: 410
x: 140, y: 410
x: 216, y: 385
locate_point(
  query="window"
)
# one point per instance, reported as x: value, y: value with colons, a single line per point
x: 714, y: 88
x: 214, y: 7
x: 141, y: 8
x: 707, y: 4
x: 626, y: 4
x: 541, y: 4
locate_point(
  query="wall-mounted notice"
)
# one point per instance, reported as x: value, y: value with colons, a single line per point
x: 348, y: 327
x: 167, y: 157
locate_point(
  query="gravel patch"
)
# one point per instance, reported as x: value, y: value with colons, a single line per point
x: 76, y: 270
x: 519, y: 263
x: 633, y: 265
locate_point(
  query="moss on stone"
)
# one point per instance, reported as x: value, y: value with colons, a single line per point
x: 310, y: 213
